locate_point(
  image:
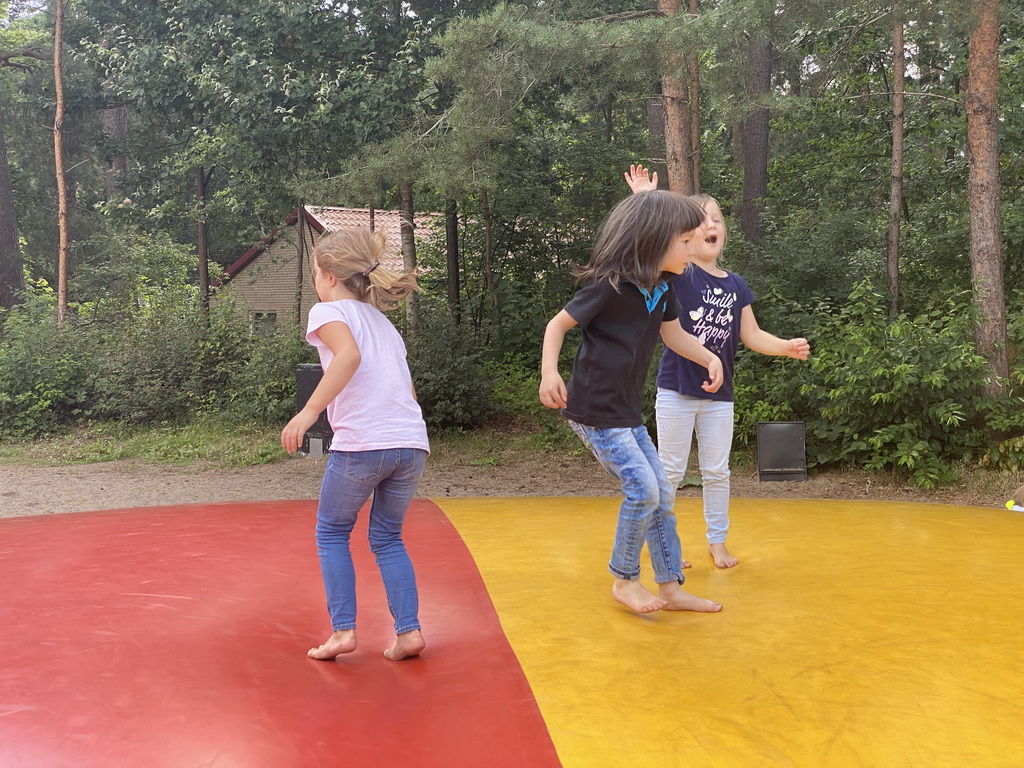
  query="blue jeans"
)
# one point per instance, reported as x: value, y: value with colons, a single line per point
x: 647, y: 512
x: 678, y: 417
x: 351, y: 477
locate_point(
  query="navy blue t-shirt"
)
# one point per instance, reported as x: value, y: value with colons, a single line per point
x: 709, y: 308
x: 620, y: 330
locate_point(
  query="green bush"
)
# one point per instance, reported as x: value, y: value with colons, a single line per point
x: 516, y: 397
x: 46, y: 379
x: 260, y: 386
x: 160, y: 362
x: 876, y: 393
x: 149, y: 367
x: 767, y: 388
x: 900, y: 394
x: 451, y: 385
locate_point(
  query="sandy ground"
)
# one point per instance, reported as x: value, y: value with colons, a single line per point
x: 40, y: 490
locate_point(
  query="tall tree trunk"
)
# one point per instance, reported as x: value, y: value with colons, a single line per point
x: 737, y: 164
x: 609, y: 119
x: 451, y: 246
x: 64, y: 249
x: 115, y: 128
x: 755, y: 141
x: 982, y: 107
x: 407, y: 213
x: 485, y: 204
x: 693, y: 64
x: 656, y: 131
x: 678, y: 150
x: 892, y: 240
x: 202, y: 238
x: 300, y: 258
x: 12, y: 273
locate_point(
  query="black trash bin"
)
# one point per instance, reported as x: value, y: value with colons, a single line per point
x: 781, y: 454
x: 317, y: 440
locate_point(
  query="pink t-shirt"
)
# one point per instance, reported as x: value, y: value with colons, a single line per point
x: 376, y: 409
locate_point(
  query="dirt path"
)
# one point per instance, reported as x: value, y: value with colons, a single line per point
x: 37, y: 490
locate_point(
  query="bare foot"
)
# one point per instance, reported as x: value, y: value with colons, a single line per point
x: 677, y: 599
x: 342, y: 641
x: 721, y: 555
x: 634, y: 596
x: 407, y: 645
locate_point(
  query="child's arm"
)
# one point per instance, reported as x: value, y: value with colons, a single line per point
x: 552, y: 388
x: 638, y: 179
x: 338, y: 338
x: 767, y: 344
x: 684, y: 344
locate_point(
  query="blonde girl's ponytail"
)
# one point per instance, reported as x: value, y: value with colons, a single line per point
x: 355, y: 257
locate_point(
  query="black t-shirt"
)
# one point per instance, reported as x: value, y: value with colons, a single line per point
x: 620, y: 330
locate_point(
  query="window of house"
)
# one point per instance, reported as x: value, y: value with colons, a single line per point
x: 262, y: 323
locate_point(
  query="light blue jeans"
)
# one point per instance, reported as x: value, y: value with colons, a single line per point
x: 646, y: 513
x: 678, y: 417
x: 391, y: 476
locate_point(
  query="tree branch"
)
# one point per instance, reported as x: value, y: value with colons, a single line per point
x: 612, y: 18
x: 905, y: 93
x: 845, y: 46
x: 27, y: 53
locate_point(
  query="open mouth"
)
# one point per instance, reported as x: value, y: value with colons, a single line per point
x: 712, y: 240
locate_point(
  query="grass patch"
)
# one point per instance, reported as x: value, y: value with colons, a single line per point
x: 507, y: 441
x: 219, y: 442
x: 210, y: 440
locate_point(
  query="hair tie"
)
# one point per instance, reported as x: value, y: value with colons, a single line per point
x: 368, y: 270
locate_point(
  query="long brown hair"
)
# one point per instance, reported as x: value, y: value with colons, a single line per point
x: 634, y: 239
x: 354, y: 257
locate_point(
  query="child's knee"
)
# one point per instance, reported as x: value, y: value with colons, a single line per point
x: 643, y: 494
x: 384, y: 542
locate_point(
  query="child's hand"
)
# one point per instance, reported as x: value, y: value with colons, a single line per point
x: 552, y: 391
x: 799, y: 349
x: 716, y: 375
x: 295, y: 430
x: 638, y: 179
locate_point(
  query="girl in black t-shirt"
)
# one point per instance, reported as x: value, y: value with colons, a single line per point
x: 715, y: 306
x: 624, y: 306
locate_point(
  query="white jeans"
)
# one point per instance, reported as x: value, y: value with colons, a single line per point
x: 678, y: 416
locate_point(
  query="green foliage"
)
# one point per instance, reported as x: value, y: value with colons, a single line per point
x: 515, y: 397
x: 176, y: 363
x: 769, y: 388
x: 163, y: 363
x: 150, y: 369
x: 895, y: 395
x: 46, y: 380
x: 515, y: 389
x: 451, y: 384
x: 1008, y: 454
x: 260, y: 383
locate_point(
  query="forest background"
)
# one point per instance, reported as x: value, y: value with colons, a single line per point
x: 868, y: 157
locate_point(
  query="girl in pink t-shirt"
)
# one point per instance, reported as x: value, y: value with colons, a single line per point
x: 380, y: 440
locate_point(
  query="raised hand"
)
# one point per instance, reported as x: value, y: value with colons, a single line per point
x: 640, y: 179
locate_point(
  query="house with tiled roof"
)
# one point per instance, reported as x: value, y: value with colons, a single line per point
x: 271, y: 282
